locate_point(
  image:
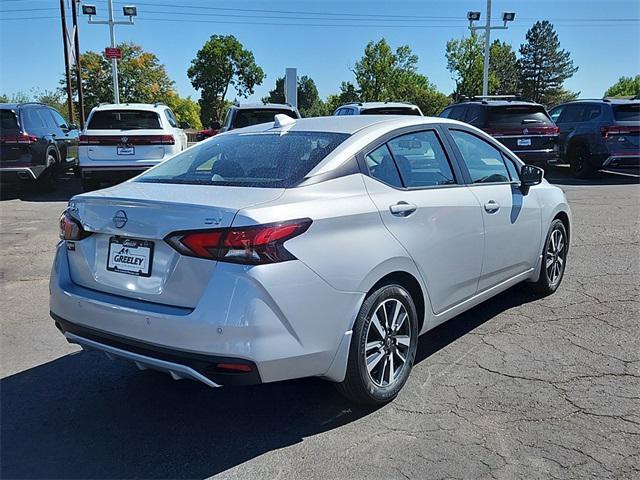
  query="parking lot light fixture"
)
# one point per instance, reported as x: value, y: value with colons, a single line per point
x: 89, y: 10
x: 130, y: 11
x: 508, y: 17
x: 475, y: 16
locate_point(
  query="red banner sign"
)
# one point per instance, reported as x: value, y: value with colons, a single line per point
x: 111, y: 53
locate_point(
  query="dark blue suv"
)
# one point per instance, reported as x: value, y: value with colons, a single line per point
x: 599, y: 135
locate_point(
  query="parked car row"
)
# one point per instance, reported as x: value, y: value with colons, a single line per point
x: 121, y: 141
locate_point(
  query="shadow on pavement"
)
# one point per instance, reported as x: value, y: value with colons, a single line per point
x: 562, y: 176
x: 83, y: 416
x: 66, y: 187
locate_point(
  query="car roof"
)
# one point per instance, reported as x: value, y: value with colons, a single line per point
x: 367, y: 105
x: 13, y: 106
x: 613, y: 101
x: 497, y: 103
x: 131, y: 106
x: 264, y: 106
x: 348, y: 124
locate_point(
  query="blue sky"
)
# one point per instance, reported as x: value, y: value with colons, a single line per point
x: 602, y: 36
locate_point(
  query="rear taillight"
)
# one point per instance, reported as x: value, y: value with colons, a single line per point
x: 22, y: 138
x: 126, y: 140
x: 70, y: 228
x: 255, y: 245
x: 520, y: 131
x: 618, y: 130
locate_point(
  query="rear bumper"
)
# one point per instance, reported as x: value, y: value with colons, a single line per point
x: 281, y: 318
x: 16, y: 174
x: 538, y: 157
x: 179, y: 364
x: 622, y: 161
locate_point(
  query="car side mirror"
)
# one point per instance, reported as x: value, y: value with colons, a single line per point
x: 530, y: 176
x: 185, y: 125
x: 72, y: 126
x: 215, y: 126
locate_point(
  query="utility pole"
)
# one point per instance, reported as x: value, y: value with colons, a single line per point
x: 113, y: 53
x: 475, y: 16
x: 67, y: 69
x: 76, y: 43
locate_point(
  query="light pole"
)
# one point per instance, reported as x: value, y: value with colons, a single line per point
x: 474, y: 17
x: 113, y: 53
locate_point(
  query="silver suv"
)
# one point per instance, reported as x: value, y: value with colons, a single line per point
x: 379, y: 108
x: 240, y: 116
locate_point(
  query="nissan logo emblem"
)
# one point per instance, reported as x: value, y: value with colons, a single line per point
x: 120, y: 219
x: 525, y: 131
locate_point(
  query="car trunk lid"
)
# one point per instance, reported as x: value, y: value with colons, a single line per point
x: 132, y: 222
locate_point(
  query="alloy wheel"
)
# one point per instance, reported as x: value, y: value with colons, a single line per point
x: 387, y: 342
x: 555, y: 256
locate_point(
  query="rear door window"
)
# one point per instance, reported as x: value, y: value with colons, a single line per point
x: 483, y: 161
x: 421, y: 160
x: 517, y: 115
x: 591, y: 111
x: 571, y: 114
x: 33, y: 120
x: 458, y: 113
x: 473, y: 115
x: 382, y: 166
x: 627, y: 113
x: 124, y: 120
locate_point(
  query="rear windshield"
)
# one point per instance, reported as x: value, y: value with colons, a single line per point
x: 8, y: 120
x: 277, y: 160
x: 627, y: 113
x: 124, y: 120
x: 517, y: 115
x: 246, y: 118
x: 390, y: 111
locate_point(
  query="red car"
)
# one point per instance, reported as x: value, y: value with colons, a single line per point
x: 208, y: 132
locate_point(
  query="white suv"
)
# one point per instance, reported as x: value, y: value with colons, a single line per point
x: 120, y: 141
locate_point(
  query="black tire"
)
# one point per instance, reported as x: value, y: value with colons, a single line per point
x: 89, y: 185
x: 550, y: 277
x: 579, y: 162
x: 46, y: 182
x: 359, y: 384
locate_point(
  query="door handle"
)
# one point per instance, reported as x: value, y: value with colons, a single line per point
x: 491, y: 206
x: 402, y: 209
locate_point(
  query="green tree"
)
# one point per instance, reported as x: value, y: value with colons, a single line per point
x: 624, y: 87
x: 504, y: 71
x: 386, y: 75
x: 186, y: 110
x: 142, y: 78
x: 348, y: 94
x: 544, y: 67
x: 309, y: 102
x: 465, y: 58
x: 222, y: 63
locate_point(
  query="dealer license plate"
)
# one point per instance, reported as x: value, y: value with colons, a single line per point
x: 130, y: 256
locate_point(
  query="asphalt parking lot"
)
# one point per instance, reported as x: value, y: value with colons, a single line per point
x: 519, y: 387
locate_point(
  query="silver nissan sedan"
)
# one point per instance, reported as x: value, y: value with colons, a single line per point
x: 305, y: 247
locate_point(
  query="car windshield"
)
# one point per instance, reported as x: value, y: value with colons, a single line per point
x: 8, y: 120
x: 277, y: 160
x: 627, y: 113
x: 517, y: 115
x: 124, y: 120
x: 391, y: 111
x: 246, y: 117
